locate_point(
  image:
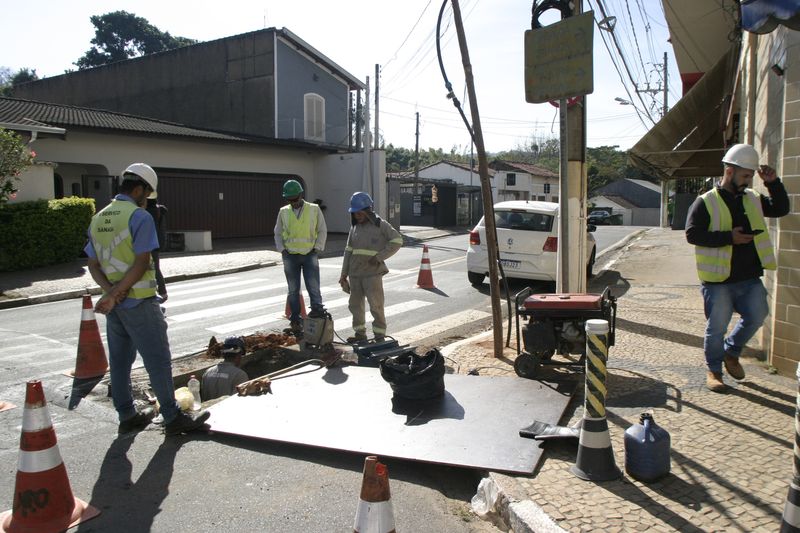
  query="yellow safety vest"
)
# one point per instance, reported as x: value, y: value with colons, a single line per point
x: 299, y: 233
x: 714, y: 263
x: 113, y: 244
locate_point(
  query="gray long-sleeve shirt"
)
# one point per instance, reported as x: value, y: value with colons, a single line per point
x: 375, y: 238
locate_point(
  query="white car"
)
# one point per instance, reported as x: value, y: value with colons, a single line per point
x: 527, y: 240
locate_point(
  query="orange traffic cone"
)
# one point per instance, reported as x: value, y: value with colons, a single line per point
x: 425, y: 278
x: 43, y: 500
x: 288, y: 311
x: 5, y: 406
x: 91, y: 361
x: 375, y: 513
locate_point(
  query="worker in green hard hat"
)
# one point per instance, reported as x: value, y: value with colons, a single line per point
x: 300, y: 234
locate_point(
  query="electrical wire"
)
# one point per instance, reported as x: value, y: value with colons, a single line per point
x: 624, y: 62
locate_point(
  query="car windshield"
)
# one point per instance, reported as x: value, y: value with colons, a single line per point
x: 523, y: 220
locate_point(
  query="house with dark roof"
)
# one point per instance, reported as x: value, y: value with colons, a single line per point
x: 523, y: 181
x: 637, y: 201
x: 224, y: 123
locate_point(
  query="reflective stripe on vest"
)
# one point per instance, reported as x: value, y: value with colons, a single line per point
x: 299, y: 234
x: 113, y: 245
x: 714, y: 263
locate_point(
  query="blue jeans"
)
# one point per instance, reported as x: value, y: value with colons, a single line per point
x: 144, y: 329
x: 720, y: 300
x: 309, y: 265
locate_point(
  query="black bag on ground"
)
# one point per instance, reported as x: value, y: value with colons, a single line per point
x: 415, y: 377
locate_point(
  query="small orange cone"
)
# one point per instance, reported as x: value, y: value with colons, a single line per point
x: 43, y: 500
x: 375, y: 513
x: 288, y: 311
x: 5, y: 406
x: 425, y: 278
x: 91, y: 361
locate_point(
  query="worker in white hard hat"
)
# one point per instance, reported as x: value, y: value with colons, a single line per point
x: 121, y: 237
x: 370, y: 242
x: 732, y: 250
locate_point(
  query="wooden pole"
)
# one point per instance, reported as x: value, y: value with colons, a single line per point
x: 486, y: 187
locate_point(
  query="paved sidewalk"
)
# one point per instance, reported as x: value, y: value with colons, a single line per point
x: 731, y: 453
x: 70, y: 280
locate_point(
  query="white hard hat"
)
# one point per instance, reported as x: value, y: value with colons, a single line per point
x: 145, y: 172
x: 742, y: 155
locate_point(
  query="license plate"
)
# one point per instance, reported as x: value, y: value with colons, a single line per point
x: 510, y: 263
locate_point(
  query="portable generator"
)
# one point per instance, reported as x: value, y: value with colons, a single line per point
x: 556, y: 325
x: 318, y: 331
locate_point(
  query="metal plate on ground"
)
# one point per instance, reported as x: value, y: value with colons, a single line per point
x: 476, y: 424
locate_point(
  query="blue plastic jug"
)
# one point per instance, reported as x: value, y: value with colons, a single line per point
x: 647, y: 448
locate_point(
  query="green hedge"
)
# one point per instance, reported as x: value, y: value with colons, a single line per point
x: 43, y: 232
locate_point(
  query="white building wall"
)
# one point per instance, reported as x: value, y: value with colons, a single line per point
x: 93, y: 153
x: 35, y: 183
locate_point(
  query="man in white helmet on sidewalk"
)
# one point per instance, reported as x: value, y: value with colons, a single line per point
x: 122, y: 236
x: 370, y: 243
x: 732, y: 249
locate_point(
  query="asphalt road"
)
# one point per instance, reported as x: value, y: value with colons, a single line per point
x: 147, y: 483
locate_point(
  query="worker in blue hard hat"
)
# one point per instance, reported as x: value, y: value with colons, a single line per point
x: 300, y: 234
x: 370, y: 243
x: 222, y: 379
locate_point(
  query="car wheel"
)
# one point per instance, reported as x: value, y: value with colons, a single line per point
x: 475, y: 278
x: 590, y: 265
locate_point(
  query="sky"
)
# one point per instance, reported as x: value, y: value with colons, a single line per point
x: 50, y: 35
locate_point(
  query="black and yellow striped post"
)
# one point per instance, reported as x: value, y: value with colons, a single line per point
x: 791, y: 511
x: 595, y: 457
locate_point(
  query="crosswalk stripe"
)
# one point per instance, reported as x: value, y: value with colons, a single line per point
x: 170, y: 304
x: 232, y: 309
x: 416, y: 333
x: 182, y: 290
x: 266, y: 321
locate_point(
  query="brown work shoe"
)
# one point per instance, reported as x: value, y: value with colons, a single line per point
x: 714, y: 382
x: 734, y: 367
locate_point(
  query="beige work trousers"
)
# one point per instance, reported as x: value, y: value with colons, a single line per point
x: 371, y: 289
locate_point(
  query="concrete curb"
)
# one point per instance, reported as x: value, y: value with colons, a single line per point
x: 77, y: 293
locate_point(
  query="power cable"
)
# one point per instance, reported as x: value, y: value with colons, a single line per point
x: 624, y: 62
x: 409, y: 33
x: 619, y: 73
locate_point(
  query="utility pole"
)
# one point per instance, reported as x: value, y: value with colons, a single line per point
x: 664, y: 214
x: 367, y: 177
x: 486, y: 188
x: 571, y: 263
x: 377, y: 86
x: 666, y: 88
x: 416, y: 158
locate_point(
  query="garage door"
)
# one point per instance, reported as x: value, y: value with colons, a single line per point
x: 229, y: 204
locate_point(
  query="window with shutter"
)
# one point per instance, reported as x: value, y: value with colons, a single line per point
x: 314, y: 119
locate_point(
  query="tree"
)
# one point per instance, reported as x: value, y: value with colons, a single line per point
x: 8, y: 81
x: 14, y: 158
x: 121, y: 35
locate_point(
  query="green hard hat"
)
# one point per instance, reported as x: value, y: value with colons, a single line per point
x: 292, y: 188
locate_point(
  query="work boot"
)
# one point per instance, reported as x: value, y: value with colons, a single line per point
x: 714, y: 382
x: 734, y: 367
x: 184, y: 422
x: 138, y: 421
x: 296, y: 326
x: 358, y: 338
x: 317, y: 312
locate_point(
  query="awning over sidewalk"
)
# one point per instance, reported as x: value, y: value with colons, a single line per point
x: 689, y: 140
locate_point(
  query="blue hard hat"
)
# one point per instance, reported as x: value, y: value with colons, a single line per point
x: 360, y: 201
x: 233, y: 346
